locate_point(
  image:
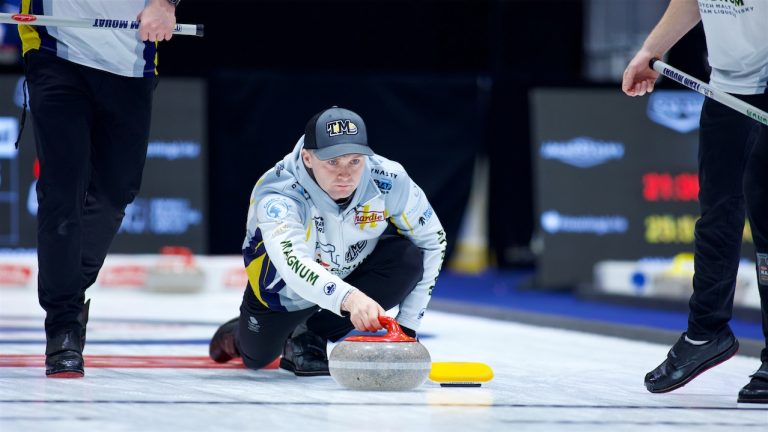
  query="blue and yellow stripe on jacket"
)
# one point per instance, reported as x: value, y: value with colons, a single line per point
x: 261, y: 273
x: 35, y: 37
x: 38, y: 38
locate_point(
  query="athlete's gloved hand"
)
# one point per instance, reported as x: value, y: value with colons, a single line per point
x: 363, y: 311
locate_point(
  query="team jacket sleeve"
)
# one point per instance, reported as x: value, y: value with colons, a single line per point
x: 280, y: 220
x: 415, y: 219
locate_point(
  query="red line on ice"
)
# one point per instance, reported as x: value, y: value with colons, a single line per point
x: 128, y: 361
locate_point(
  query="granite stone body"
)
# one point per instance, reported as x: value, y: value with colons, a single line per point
x: 380, y: 365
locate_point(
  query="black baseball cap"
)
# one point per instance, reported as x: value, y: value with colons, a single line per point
x: 336, y: 132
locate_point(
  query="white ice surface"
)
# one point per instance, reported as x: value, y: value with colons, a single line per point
x: 545, y: 380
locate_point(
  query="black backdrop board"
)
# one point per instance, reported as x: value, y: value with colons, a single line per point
x: 171, y: 206
x: 171, y: 209
x: 508, y: 41
x: 615, y: 178
x: 17, y: 228
x: 429, y: 124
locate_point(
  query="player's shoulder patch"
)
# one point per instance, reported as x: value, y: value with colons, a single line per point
x: 276, y: 208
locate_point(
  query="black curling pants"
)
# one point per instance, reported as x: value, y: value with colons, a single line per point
x: 91, y: 133
x: 387, y: 275
x: 733, y: 179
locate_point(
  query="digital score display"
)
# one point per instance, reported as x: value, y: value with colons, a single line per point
x: 670, y: 187
x: 615, y: 178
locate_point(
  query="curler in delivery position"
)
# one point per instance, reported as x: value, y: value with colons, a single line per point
x: 319, y: 257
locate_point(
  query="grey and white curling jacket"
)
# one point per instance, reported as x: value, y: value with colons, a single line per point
x: 300, y: 244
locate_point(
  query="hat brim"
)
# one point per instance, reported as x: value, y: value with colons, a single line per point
x: 337, y: 150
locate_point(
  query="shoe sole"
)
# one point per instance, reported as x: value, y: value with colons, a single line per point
x: 290, y: 367
x: 747, y: 400
x: 714, y: 361
x: 66, y: 374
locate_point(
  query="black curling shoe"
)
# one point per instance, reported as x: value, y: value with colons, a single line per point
x: 223, y: 347
x: 64, y: 352
x: 686, y: 361
x: 64, y: 355
x: 305, y: 355
x: 757, y: 389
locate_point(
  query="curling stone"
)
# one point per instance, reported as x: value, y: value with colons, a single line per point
x: 393, y: 361
x: 175, y: 272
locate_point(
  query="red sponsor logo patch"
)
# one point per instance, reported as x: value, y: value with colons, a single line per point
x: 368, y: 217
x: 14, y: 274
x: 23, y: 18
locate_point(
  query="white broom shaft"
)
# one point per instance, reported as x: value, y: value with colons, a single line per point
x: 709, y: 91
x: 94, y: 23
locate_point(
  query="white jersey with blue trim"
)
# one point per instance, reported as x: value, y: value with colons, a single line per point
x: 116, y: 51
x: 737, y: 43
x: 300, y: 244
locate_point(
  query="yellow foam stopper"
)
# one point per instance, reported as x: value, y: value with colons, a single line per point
x: 460, y: 373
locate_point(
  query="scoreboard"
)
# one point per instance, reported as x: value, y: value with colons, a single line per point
x: 615, y: 179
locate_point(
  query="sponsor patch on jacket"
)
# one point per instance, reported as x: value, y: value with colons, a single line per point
x: 368, y: 217
x: 354, y: 250
x: 426, y: 216
x: 383, y: 173
x: 324, y: 253
x: 282, y: 228
x: 385, y: 186
x: 295, y: 264
x: 329, y: 288
x: 319, y: 223
x: 276, y: 208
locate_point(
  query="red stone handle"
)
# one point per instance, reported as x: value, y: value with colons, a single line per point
x: 394, y: 333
